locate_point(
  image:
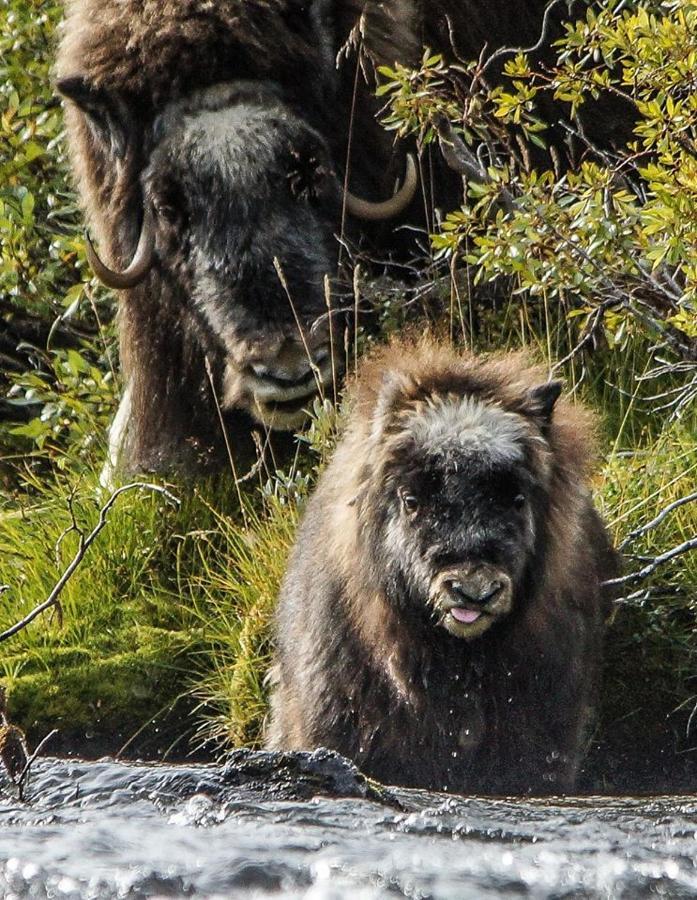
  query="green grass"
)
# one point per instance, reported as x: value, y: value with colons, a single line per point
x: 121, y: 651
x: 234, y: 593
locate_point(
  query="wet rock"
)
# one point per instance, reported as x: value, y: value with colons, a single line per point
x: 301, y: 775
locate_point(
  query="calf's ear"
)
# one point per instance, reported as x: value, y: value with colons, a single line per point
x: 540, y: 400
x: 393, y: 387
x: 106, y: 113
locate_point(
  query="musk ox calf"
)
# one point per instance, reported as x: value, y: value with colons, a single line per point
x: 441, y: 621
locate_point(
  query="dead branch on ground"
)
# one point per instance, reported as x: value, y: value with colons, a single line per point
x: 84, y: 543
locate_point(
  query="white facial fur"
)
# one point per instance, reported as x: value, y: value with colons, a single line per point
x: 455, y: 423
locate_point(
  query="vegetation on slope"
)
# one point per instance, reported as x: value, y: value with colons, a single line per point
x: 161, y: 639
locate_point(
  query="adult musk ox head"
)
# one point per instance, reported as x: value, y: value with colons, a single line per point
x: 242, y: 198
x: 457, y: 497
x: 235, y: 209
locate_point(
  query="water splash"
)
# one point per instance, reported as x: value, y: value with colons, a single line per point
x: 263, y: 828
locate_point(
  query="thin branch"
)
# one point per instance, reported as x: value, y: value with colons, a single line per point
x: 83, y: 547
x: 457, y: 154
x: 73, y: 527
x: 594, y: 320
x: 637, y: 598
x: 27, y: 766
x: 461, y: 160
x: 649, y: 569
x: 514, y: 51
x: 649, y: 526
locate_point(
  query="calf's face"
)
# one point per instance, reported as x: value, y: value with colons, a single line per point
x: 459, y: 523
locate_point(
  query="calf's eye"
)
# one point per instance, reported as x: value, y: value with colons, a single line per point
x: 409, y: 502
x: 519, y: 501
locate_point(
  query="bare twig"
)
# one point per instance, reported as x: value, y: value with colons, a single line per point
x: 73, y: 527
x: 649, y: 569
x: 594, y: 321
x: 514, y: 51
x: 457, y: 154
x: 84, y: 545
x: 463, y: 161
x: 649, y: 526
x: 20, y: 782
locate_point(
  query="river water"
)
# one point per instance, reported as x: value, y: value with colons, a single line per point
x: 259, y: 828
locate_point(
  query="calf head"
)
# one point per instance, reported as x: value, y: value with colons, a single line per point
x: 457, y: 502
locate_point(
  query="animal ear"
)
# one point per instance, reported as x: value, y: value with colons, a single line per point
x: 540, y: 400
x: 106, y: 113
x: 394, y: 385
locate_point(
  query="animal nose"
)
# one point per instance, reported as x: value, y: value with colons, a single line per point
x: 282, y: 376
x: 475, y: 588
x: 291, y: 370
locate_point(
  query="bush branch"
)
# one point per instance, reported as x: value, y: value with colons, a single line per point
x: 514, y: 51
x: 463, y: 161
x: 83, y: 546
x: 651, y: 567
x: 649, y: 526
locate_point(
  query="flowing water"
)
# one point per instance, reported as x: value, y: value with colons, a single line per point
x: 253, y: 828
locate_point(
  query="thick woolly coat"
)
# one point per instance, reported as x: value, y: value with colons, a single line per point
x: 359, y: 670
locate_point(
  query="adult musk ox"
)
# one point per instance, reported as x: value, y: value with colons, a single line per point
x: 210, y: 144
x: 203, y: 141
x: 441, y: 620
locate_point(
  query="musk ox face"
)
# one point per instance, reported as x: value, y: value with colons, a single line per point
x: 463, y: 486
x: 238, y: 205
x: 245, y: 201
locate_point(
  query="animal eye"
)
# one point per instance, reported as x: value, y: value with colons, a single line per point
x: 519, y: 501
x: 409, y: 502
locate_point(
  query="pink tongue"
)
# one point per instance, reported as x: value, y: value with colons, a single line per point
x: 464, y: 615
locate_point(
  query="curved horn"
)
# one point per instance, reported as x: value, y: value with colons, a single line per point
x: 138, y: 267
x: 365, y: 209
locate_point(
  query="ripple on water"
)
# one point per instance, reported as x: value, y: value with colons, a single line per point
x: 106, y: 829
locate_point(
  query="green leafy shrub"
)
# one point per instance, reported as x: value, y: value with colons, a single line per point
x: 56, y: 345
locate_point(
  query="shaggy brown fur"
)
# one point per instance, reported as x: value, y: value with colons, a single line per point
x: 418, y: 510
